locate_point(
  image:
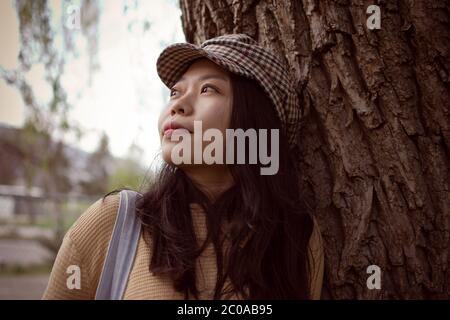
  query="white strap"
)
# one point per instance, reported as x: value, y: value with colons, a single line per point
x: 121, y: 250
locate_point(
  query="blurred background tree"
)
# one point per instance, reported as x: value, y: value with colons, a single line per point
x: 99, y: 162
x: 46, y: 124
x: 69, y: 69
x: 129, y: 173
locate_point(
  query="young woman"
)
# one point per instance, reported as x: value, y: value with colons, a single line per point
x: 209, y: 231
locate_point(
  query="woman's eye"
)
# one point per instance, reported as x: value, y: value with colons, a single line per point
x: 172, y: 91
x: 207, y: 86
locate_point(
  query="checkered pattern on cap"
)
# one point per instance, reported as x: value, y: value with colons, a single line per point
x: 240, y: 54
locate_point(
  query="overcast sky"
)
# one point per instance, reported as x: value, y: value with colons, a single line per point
x: 126, y: 94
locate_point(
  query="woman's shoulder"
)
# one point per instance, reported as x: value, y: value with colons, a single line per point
x: 316, y: 258
x: 95, y: 224
x: 84, y: 246
x: 315, y: 241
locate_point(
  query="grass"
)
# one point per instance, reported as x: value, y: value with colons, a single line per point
x: 17, y: 270
x: 69, y: 214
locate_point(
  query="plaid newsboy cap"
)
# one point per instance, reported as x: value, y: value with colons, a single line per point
x: 239, y: 54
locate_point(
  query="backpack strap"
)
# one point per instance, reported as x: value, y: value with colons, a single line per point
x: 121, y: 250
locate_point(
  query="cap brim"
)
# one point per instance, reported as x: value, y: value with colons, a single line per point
x: 175, y: 59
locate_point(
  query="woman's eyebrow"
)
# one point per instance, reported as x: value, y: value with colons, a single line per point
x: 207, y: 76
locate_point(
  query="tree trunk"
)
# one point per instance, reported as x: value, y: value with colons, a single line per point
x: 374, y: 143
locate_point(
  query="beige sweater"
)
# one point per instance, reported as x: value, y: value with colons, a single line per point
x: 86, y: 243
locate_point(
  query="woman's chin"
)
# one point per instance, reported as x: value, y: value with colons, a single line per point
x: 167, y: 156
x: 166, y: 153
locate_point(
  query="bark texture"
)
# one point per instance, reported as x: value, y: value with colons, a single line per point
x: 374, y: 143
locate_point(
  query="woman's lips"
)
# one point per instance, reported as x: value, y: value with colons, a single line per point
x: 172, y: 125
x: 168, y: 132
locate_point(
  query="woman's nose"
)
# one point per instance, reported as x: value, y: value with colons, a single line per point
x: 183, y: 105
x: 177, y: 108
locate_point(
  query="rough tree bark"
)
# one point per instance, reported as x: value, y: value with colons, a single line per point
x: 374, y: 143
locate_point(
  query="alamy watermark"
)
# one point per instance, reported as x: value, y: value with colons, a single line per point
x: 374, y: 280
x: 73, y: 16
x: 74, y: 280
x: 373, y: 22
x: 213, y: 153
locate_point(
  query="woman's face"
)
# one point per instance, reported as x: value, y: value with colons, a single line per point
x: 203, y: 94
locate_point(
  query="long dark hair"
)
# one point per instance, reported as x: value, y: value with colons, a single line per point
x: 267, y: 211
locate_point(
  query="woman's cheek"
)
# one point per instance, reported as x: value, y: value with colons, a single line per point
x: 162, y: 117
x: 215, y: 117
